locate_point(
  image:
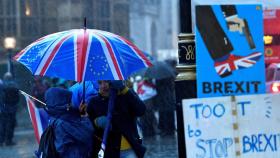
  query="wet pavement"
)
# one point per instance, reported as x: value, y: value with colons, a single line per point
x: 157, y: 146
x: 161, y: 147
x: 24, y: 148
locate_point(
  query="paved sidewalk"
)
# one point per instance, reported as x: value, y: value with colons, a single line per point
x: 161, y: 147
x: 25, y: 147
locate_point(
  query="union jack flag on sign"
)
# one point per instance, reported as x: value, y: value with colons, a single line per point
x: 236, y: 62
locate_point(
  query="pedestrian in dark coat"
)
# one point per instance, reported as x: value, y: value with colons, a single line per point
x: 73, y: 133
x: 1, y: 113
x: 123, y: 139
x: 165, y: 100
x: 9, y: 95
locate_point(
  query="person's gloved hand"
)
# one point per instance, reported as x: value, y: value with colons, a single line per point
x: 83, y: 109
x: 117, y: 85
x: 101, y: 122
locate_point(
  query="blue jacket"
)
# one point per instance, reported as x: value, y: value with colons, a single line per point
x: 73, y: 133
x: 91, y: 89
x: 73, y: 137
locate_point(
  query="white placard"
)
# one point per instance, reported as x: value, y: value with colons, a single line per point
x: 214, y: 129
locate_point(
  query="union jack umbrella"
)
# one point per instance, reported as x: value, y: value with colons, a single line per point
x: 83, y: 55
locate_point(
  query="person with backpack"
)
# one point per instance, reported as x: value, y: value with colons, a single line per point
x: 9, y: 98
x: 68, y: 135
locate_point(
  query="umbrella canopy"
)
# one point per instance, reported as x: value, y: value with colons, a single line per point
x: 83, y: 55
x: 160, y: 70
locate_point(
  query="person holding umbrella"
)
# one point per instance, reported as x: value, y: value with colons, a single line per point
x: 123, y: 139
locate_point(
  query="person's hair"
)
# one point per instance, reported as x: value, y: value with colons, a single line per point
x: 99, y: 81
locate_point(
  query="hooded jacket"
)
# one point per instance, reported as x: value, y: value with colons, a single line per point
x: 73, y: 134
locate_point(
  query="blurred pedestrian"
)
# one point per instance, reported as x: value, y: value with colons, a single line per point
x: 73, y: 133
x: 2, y: 134
x: 147, y: 91
x: 166, y: 101
x: 123, y: 139
x: 9, y: 95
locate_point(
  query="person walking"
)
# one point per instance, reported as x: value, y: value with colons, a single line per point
x: 123, y: 139
x: 9, y: 98
x: 166, y: 100
x: 2, y: 136
x: 146, y: 91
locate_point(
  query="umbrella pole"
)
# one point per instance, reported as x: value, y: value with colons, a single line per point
x: 84, y: 82
x: 85, y: 23
x: 111, y: 106
x: 84, y: 91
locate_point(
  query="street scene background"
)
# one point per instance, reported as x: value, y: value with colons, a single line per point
x: 152, y: 25
x: 144, y: 22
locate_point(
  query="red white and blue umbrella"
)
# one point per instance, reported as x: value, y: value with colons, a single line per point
x: 83, y: 55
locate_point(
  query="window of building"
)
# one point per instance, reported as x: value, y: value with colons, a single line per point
x: 105, y: 25
x: 105, y: 9
x: 49, y: 25
x: 29, y: 8
x: 2, y: 27
x: 121, y: 19
x: 87, y: 10
x: 102, y: 24
x: 11, y: 26
x: 1, y: 9
x: 30, y: 26
x: 11, y: 7
x: 102, y: 9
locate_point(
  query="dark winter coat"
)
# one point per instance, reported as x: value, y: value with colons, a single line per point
x: 165, y: 99
x: 9, y: 95
x: 1, y: 97
x: 127, y: 108
x: 73, y: 134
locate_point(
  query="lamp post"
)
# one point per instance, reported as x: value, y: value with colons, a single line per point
x: 9, y: 45
x: 186, y: 79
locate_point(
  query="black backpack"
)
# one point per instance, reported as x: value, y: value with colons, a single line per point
x: 11, y: 96
x: 47, y: 147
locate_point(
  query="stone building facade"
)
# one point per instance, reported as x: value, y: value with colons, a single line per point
x: 27, y: 20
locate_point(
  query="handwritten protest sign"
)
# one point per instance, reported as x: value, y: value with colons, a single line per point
x: 242, y: 126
